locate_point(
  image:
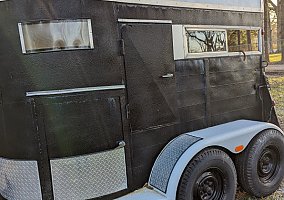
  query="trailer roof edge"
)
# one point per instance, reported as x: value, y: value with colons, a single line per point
x: 171, y: 3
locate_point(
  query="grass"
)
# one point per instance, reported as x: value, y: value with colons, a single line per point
x: 277, y: 93
x: 275, y: 196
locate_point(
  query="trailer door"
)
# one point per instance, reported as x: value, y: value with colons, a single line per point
x: 150, y: 75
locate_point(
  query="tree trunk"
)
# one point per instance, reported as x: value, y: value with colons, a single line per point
x: 266, y: 30
x: 281, y: 21
x: 278, y: 13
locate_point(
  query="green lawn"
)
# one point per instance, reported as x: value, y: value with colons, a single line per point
x: 277, y: 92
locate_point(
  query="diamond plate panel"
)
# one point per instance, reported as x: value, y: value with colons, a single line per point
x: 167, y: 160
x: 89, y: 176
x: 19, y: 180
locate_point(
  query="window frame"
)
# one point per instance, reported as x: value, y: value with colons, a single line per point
x: 22, y: 40
x: 219, y: 28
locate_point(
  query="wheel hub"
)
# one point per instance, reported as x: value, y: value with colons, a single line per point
x: 209, y: 186
x: 268, y: 164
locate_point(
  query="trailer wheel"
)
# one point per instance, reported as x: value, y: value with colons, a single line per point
x: 260, y: 167
x: 211, y: 175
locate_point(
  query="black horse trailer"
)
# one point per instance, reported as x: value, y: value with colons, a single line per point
x: 135, y: 99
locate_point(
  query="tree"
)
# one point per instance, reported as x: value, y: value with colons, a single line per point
x: 273, y: 19
x: 281, y: 23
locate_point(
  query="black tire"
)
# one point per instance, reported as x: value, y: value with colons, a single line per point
x: 260, y: 167
x: 211, y: 175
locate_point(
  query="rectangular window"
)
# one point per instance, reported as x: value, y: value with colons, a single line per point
x: 243, y: 40
x: 56, y: 35
x: 201, y: 41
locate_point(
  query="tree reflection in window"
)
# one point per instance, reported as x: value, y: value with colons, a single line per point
x: 243, y: 40
x: 200, y: 41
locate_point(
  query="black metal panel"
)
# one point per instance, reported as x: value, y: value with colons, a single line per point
x: 233, y: 91
x: 66, y: 69
x: 194, y: 125
x: 217, y: 90
x: 18, y: 139
x: 191, y: 84
x: 268, y: 109
x: 80, y: 124
x: 190, y: 98
x: 249, y: 113
x: 191, y: 113
x: 235, y: 103
x: 236, y: 76
x: 3, y: 144
x: 234, y: 63
x: 146, y: 146
x: 148, y: 56
x: 190, y: 16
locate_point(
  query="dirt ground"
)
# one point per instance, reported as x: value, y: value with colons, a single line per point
x: 276, y: 80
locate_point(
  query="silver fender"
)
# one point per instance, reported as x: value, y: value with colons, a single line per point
x: 172, y: 161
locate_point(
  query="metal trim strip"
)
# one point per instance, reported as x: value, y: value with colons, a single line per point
x: 74, y: 90
x: 217, y: 54
x: 90, y: 33
x: 150, y: 21
x: 210, y: 27
x: 22, y: 38
x: 171, y: 3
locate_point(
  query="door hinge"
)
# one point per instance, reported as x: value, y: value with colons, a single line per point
x: 122, y: 47
x: 127, y: 111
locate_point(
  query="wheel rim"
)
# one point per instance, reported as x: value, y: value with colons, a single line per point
x: 268, y: 164
x: 209, y: 186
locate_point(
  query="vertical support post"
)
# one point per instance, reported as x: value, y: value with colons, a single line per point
x: 43, y: 163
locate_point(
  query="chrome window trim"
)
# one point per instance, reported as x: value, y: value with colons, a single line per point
x: 210, y: 27
x: 74, y: 90
x: 226, y: 54
x: 90, y: 33
x: 22, y: 38
x: 150, y: 21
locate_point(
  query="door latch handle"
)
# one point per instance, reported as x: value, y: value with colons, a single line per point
x: 121, y: 144
x: 169, y: 75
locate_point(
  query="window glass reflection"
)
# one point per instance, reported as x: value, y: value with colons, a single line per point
x: 200, y: 41
x: 243, y: 40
